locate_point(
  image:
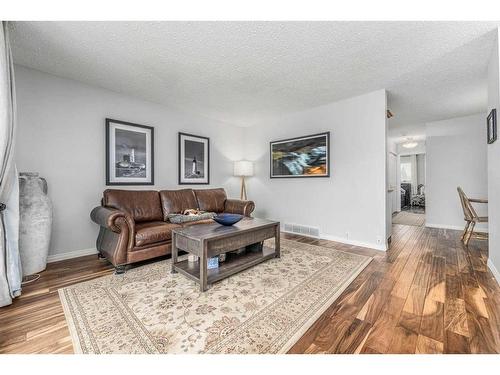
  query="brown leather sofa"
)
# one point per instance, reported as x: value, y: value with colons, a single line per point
x: 134, y: 224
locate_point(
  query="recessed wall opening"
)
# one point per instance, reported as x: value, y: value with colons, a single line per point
x: 411, y: 190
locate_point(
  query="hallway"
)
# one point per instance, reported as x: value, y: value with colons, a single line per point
x: 409, y: 218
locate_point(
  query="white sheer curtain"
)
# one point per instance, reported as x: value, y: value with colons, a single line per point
x: 10, y: 263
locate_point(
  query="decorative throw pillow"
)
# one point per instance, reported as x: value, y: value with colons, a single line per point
x: 179, y: 218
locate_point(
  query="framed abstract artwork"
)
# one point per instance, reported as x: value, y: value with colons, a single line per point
x: 307, y: 156
x: 129, y: 153
x: 194, y: 159
x: 491, y: 122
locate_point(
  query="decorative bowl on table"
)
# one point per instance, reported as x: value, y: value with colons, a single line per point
x: 227, y: 219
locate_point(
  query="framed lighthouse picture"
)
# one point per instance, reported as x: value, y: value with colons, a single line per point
x: 129, y: 153
x: 194, y: 159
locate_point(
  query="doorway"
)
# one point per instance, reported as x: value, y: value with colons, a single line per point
x: 412, y: 190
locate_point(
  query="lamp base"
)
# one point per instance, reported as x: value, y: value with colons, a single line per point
x: 243, y: 192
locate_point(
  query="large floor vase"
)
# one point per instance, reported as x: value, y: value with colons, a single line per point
x: 35, y: 224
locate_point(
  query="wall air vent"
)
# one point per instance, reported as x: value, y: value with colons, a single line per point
x: 301, y: 229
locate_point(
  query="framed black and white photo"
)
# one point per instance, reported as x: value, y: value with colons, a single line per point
x: 194, y: 159
x: 307, y: 156
x: 492, y: 126
x: 129, y: 153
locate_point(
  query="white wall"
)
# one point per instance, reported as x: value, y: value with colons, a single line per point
x: 456, y: 156
x: 61, y: 136
x: 350, y: 206
x: 494, y: 165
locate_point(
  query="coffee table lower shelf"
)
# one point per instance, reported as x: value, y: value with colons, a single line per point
x: 234, y: 263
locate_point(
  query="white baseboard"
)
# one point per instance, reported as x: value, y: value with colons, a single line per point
x: 80, y: 253
x: 70, y: 255
x: 329, y: 237
x: 454, y: 227
x: 494, y: 270
x: 444, y: 226
x: 375, y: 246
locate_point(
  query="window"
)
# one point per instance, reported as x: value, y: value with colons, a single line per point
x: 405, y: 169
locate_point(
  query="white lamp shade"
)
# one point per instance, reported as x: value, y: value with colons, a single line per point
x: 243, y: 168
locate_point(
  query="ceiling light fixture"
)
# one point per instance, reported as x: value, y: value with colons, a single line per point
x: 410, y: 143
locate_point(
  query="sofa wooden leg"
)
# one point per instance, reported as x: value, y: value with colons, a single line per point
x: 119, y: 270
x: 100, y: 256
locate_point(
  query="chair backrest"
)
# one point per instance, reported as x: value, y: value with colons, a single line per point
x: 469, y: 212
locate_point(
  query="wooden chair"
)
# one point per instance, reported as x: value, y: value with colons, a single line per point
x: 471, y: 217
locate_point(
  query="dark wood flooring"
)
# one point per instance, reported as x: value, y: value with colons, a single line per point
x: 427, y: 294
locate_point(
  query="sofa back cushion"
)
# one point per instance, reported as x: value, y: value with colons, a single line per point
x: 176, y: 201
x: 142, y: 205
x: 211, y: 200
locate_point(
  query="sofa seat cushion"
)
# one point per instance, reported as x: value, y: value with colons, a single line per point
x: 211, y: 200
x: 153, y: 232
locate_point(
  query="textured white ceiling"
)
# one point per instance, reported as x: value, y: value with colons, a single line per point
x: 243, y: 72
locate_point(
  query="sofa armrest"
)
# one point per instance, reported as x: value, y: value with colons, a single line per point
x: 236, y: 206
x: 112, y: 219
x: 116, y: 236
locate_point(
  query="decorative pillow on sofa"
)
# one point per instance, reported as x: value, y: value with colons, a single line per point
x: 181, y: 218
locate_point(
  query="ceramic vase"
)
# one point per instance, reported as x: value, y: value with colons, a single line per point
x: 35, y: 222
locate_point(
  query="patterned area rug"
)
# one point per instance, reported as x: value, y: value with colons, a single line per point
x: 409, y: 218
x: 264, y: 309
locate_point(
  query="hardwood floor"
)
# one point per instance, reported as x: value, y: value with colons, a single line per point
x: 427, y: 294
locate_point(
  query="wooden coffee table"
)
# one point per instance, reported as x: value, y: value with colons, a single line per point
x: 210, y: 240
